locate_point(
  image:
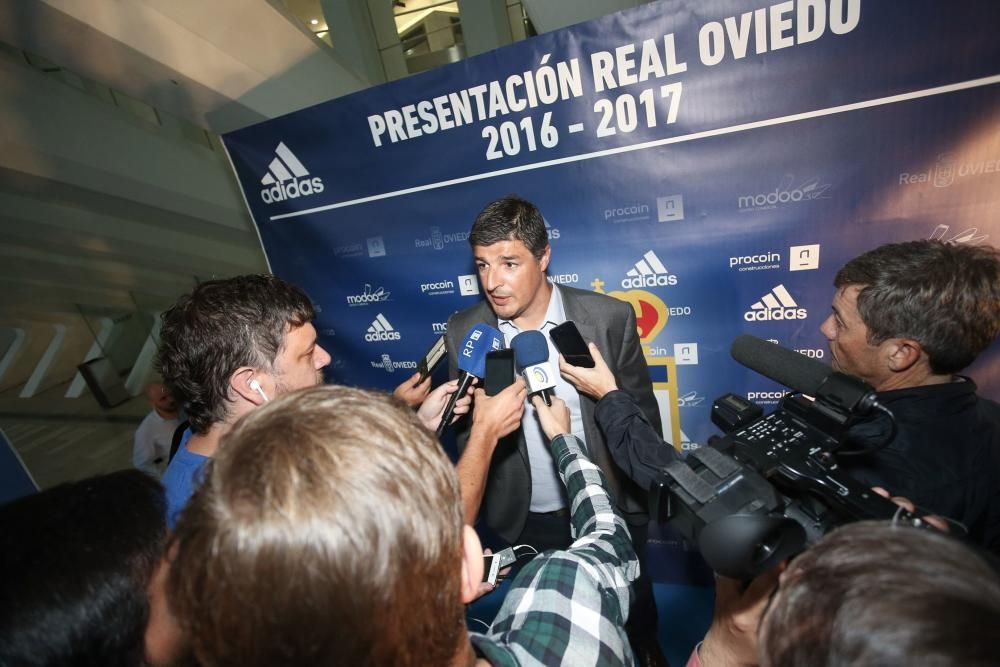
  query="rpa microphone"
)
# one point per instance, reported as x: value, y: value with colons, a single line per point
x: 479, y: 340
x: 531, y: 358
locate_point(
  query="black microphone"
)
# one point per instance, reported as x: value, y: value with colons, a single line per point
x: 804, y: 375
x: 531, y: 357
x: 479, y: 340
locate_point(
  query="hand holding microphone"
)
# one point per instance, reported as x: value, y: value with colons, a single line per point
x: 432, y: 408
x: 479, y: 340
x: 531, y: 359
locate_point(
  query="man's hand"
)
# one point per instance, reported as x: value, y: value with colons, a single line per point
x: 413, y: 392
x: 938, y: 522
x: 493, y: 417
x: 596, y: 381
x: 486, y: 587
x: 555, y: 419
x: 431, y: 410
x: 732, y: 639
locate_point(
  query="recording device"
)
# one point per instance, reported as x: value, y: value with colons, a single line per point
x: 771, y: 486
x: 567, y: 339
x: 480, y: 340
x: 531, y: 359
x: 430, y: 361
x: 493, y: 563
x: 499, y: 371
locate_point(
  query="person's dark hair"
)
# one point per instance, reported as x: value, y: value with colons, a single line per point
x: 875, y: 594
x: 76, y: 561
x: 335, y: 517
x: 511, y: 219
x: 219, y: 327
x: 945, y: 296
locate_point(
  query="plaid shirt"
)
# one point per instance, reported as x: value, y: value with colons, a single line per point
x: 569, y: 607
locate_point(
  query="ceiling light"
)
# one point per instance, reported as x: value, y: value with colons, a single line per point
x: 314, y: 21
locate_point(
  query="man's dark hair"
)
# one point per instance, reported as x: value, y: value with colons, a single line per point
x: 77, y: 560
x: 219, y: 327
x: 872, y: 593
x: 511, y: 219
x: 945, y: 296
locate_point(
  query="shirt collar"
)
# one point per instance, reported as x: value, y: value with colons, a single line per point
x: 554, y: 314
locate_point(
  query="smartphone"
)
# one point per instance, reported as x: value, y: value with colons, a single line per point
x: 567, y: 339
x: 431, y: 359
x: 499, y: 371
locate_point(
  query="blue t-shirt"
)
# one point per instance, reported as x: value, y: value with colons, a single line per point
x: 183, y: 475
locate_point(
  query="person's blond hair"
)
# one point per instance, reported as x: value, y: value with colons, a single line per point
x: 328, y: 531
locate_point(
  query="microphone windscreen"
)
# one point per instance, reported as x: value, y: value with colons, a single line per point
x: 530, y: 348
x: 480, y: 340
x: 782, y: 365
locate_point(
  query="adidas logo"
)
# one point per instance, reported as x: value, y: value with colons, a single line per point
x: 380, y: 329
x: 286, y: 178
x: 777, y: 304
x: 649, y: 272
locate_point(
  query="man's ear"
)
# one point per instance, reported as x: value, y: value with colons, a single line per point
x: 239, y: 383
x: 546, y: 256
x: 472, y: 564
x: 902, y: 354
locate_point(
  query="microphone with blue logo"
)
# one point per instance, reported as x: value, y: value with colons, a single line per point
x: 531, y: 359
x: 480, y: 340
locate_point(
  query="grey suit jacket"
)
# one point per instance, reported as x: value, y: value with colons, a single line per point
x: 610, y: 324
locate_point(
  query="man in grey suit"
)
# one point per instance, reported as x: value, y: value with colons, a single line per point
x: 523, y: 500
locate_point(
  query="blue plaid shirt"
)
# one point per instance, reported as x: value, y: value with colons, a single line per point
x: 569, y: 607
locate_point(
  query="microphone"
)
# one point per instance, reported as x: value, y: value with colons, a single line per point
x: 531, y: 358
x: 804, y: 375
x: 479, y: 340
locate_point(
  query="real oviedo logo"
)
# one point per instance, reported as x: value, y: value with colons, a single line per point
x: 287, y: 178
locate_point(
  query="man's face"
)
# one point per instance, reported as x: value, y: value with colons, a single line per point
x: 511, y: 277
x: 847, y: 335
x: 300, y: 361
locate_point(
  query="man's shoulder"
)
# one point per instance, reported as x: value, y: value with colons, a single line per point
x: 462, y: 319
x: 593, y: 301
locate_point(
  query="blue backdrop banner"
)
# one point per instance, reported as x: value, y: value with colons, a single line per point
x: 711, y: 163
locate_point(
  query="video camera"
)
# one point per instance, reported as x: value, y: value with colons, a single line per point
x: 771, y: 486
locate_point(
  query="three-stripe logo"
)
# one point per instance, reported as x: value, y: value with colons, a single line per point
x: 777, y: 304
x: 648, y: 272
x: 381, y: 330
x: 287, y: 178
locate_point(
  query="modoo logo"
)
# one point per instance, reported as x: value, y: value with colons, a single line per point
x: 785, y: 193
x: 381, y: 330
x: 777, y: 304
x: 439, y: 327
x: 287, y: 178
x: 649, y: 272
x: 368, y: 296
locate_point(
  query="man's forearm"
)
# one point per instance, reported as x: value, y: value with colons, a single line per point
x: 635, y: 445
x: 472, y: 468
x: 593, y: 513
